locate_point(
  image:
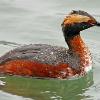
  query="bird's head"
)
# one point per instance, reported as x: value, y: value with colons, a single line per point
x: 77, y: 21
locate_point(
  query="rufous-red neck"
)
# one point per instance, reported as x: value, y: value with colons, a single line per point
x: 78, y: 47
x: 76, y: 44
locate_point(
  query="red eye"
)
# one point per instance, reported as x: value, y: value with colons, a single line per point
x: 91, y: 22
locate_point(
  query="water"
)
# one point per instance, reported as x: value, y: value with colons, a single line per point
x: 38, y: 21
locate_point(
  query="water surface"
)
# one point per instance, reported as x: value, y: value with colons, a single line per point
x: 39, y: 21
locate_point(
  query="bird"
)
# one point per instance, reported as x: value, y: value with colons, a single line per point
x: 47, y: 61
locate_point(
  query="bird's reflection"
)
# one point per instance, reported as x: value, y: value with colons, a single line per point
x: 45, y: 89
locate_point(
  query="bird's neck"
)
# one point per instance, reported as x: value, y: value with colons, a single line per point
x: 78, y: 47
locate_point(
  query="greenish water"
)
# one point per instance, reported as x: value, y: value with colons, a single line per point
x: 39, y: 21
x: 48, y: 89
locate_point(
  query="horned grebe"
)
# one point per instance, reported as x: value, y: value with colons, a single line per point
x: 46, y: 61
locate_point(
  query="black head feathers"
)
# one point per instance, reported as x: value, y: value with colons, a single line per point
x: 77, y: 21
x: 80, y: 12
